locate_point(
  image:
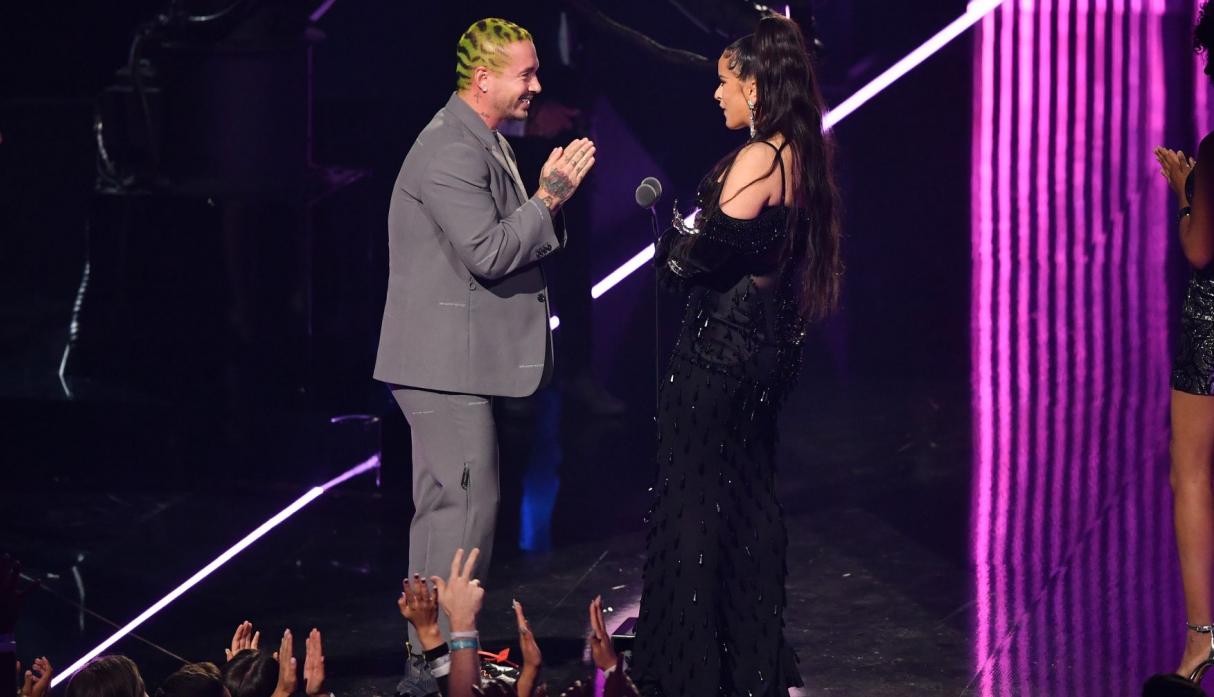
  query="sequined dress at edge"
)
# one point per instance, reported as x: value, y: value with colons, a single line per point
x: 712, y: 605
x: 1193, y: 367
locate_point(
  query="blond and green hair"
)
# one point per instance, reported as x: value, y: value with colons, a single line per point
x: 484, y: 43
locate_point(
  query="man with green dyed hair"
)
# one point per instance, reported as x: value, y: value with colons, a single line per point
x: 466, y: 316
x: 485, y: 44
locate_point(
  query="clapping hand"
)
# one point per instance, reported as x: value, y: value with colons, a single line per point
x: 314, y: 665
x: 532, y: 658
x: 287, y: 680
x: 564, y: 171
x: 418, y: 604
x: 243, y: 638
x: 1175, y: 167
x: 600, y: 640
x: 37, y: 679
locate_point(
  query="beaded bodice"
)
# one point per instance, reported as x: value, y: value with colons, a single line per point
x: 741, y: 316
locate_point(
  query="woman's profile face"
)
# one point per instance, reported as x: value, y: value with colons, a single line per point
x: 732, y: 94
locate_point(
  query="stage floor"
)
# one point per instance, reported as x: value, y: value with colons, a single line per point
x: 884, y: 595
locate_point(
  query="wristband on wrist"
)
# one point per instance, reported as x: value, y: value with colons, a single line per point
x: 466, y: 635
x: 458, y: 644
x: 437, y: 652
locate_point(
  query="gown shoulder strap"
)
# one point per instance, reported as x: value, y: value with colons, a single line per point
x: 780, y: 166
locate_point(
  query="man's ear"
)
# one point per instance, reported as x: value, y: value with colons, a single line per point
x: 480, y: 77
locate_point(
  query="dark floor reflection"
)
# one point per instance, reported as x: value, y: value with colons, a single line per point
x: 1074, y: 569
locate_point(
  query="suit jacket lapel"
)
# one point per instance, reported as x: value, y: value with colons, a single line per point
x: 472, y: 121
x: 512, y: 167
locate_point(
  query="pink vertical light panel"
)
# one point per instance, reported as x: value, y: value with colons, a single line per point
x: 1003, y: 353
x: 1041, y: 255
x: 1068, y: 347
x: 982, y: 212
x: 1022, y: 432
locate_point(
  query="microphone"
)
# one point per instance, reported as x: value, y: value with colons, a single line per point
x: 647, y: 196
x: 648, y: 192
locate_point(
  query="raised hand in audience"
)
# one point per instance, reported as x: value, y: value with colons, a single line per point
x: 314, y: 665
x: 600, y: 640
x: 243, y: 638
x: 37, y: 681
x: 419, y: 605
x: 532, y: 658
x: 461, y: 596
x: 285, y: 655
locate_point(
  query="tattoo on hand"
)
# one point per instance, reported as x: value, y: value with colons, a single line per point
x: 550, y: 201
x: 558, y: 184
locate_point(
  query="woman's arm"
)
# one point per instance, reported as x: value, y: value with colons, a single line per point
x: 752, y: 183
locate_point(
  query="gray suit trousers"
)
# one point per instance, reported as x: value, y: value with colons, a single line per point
x: 455, y: 481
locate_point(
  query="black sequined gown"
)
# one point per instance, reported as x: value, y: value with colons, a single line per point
x: 1193, y: 367
x: 712, y: 606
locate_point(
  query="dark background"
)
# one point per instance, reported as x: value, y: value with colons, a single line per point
x: 193, y: 392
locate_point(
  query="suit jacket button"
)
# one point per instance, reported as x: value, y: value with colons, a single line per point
x: 543, y: 298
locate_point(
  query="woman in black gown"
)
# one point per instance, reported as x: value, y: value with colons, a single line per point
x: 759, y: 261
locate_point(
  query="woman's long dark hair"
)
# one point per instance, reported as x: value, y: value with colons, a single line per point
x: 788, y: 103
x: 1203, y: 32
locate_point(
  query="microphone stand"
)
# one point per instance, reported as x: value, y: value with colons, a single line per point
x: 657, y: 325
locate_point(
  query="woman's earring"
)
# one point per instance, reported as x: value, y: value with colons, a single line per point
x: 750, y: 104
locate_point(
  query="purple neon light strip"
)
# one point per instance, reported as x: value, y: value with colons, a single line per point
x: 1058, y: 312
x: 1157, y: 334
x: 1127, y: 136
x: 975, y: 12
x: 1116, y: 319
x: 1103, y: 227
x: 1042, y: 221
x: 313, y: 493
x: 1078, y: 324
x: 1023, y: 569
x: 1096, y: 385
x: 637, y: 261
x: 1003, y: 313
x: 1100, y: 488
x: 981, y: 229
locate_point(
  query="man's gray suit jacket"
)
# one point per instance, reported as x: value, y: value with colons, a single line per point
x: 467, y: 307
